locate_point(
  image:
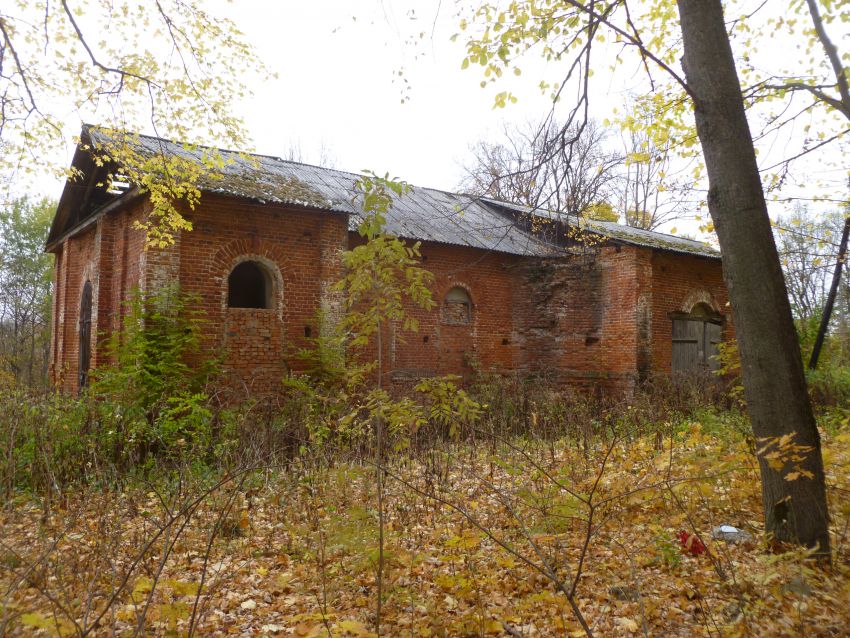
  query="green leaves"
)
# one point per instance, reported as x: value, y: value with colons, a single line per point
x: 383, y: 280
x: 26, y: 282
x: 149, y: 393
x: 450, y: 406
x: 382, y: 273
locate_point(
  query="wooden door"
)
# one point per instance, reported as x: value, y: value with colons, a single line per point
x: 695, y: 344
x: 713, y: 337
x: 688, y: 340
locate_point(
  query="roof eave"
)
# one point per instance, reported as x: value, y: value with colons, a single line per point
x: 666, y: 249
x: 120, y: 200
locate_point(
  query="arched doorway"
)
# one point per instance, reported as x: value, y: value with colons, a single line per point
x: 84, y: 362
x: 457, y: 340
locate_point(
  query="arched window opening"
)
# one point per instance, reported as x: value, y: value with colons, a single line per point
x: 249, y: 285
x: 696, y: 336
x: 457, y: 307
x: 84, y: 362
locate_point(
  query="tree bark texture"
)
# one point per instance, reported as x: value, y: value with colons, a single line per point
x: 771, y: 363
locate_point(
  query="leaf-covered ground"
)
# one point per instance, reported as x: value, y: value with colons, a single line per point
x: 480, y: 540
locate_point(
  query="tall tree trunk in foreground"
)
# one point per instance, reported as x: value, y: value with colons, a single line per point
x: 772, y: 367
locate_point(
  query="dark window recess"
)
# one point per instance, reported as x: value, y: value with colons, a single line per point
x: 249, y: 286
x: 695, y: 340
x: 308, y: 331
x: 457, y: 307
x: 425, y: 339
x: 84, y: 362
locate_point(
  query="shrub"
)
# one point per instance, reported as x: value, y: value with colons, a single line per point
x: 146, y: 409
x: 829, y: 386
x: 150, y: 400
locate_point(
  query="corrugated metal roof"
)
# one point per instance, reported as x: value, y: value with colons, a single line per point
x: 653, y: 239
x: 622, y: 233
x: 424, y: 214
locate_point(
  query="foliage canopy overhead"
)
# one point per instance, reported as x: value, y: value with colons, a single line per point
x: 170, y: 66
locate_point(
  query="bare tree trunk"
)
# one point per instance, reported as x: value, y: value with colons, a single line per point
x: 830, y: 298
x: 771, y: 363
x: 379, y: 453
x: 31, y: 363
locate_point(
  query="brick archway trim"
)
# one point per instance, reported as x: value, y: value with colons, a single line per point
x: 269, y: 255
x: 698, y: 296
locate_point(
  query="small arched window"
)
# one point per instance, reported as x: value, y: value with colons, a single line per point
x: 249, y: 285
x: 457, y: 307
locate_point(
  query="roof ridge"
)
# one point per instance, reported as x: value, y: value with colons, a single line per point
x: 288, y: 161
x: 89, y: 127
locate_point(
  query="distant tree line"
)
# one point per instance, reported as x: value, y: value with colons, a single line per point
x: 26, y: 289
x: 808, y: 245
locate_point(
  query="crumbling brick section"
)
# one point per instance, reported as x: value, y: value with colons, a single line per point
x: 162, y: 266
x: 253, y: 349
x: 602, y: 319
x: 333, y: 240
x: 577, y: 321
x: 456, y: 313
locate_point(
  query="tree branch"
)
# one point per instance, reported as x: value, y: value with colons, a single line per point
x: 590, y: 11
x: 807, y: 150
x: 107, y: 69
x: 834, y: 59
x: 815, y: 90
x: 8, y: 40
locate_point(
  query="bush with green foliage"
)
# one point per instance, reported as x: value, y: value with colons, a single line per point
x: 342, y: 397
x: 150, y: 399
x: 146, y: 408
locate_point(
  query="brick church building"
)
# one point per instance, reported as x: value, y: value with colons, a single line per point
x: 515, y: 290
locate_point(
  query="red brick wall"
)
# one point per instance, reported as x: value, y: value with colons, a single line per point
x: 442, y: 346
x: 125, y: 260
x: 108, y: 253
x: 78, y: 264
x: 598, y: 320
x: 300, y: 251
x: 577, y: 317
x: 678, y: 283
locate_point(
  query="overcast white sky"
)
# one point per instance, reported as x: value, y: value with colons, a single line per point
x: 338, y: 87
x: 338, y: 95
